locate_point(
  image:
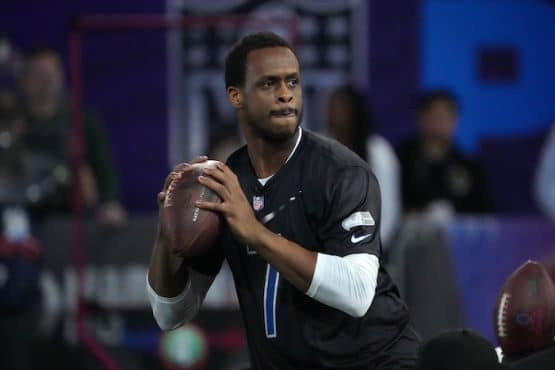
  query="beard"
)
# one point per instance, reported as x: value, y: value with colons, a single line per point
x: 269, y: 133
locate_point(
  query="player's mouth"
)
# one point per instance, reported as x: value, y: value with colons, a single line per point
x: 284, y: 113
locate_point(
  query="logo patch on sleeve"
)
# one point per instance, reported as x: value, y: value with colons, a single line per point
x: 362, y: 218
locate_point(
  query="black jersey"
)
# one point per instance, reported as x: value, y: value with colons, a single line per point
x: 326, y: 199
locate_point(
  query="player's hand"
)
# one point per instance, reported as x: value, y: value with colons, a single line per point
x: 234, y: 206
x: 177, y: 172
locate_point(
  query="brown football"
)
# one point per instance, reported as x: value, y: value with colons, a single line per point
x: 525, y: 311
x: 191, y: 231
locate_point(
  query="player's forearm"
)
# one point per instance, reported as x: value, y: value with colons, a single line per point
x: 171, y: 312
x: 295, y: 263
x: 167, y: 273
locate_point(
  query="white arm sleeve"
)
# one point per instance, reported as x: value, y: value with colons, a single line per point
x: 170, y: 313
x: 345, y: 283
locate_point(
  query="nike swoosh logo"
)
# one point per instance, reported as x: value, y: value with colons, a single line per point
x: 355, y: 239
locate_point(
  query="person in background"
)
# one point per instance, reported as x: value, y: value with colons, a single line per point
x: 42, y: 86
x: 11, y: 129
x: 27, y: 178
x: 435, y: 174
x: 20, y: 251
x: 545, y: 177
x: 350, y: 123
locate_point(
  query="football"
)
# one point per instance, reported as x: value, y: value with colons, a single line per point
x: 525, y: 311
x: 190, y: 231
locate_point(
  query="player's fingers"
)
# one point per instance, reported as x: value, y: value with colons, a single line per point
x: 211, y: 206
x: 199, y: 159
x: 176, y: 173
x: 225, y: 169
x: 232, y: 182
x: 181, y: 166
x: 214, y: 185
x: 167, y: 181
x: 216, y: 173
x: 161, y: 196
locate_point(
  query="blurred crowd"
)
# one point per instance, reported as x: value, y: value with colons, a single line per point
x: 35, y: 139
x: 426, y: 174
x: 38, y: 179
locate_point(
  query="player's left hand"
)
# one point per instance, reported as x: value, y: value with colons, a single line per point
x: 234, y: 206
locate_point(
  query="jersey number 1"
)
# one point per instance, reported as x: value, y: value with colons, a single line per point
x: 270, y: 294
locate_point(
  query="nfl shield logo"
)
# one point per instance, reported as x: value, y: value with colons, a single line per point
x: 258, y: 202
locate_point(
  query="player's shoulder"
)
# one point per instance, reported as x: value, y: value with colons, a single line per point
x: 326, y: 152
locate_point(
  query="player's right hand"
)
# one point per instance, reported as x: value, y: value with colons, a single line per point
x: 177, y: 172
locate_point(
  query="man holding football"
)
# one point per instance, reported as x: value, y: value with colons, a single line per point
x: 301, y: 234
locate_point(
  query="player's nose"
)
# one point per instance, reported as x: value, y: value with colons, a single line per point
x: 285, y: 98
x: 284, y: 94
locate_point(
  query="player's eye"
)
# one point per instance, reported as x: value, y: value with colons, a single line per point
x: 293, y: 82
x: 267, y: 83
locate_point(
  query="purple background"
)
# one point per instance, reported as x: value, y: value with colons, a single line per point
x: 412, y: 44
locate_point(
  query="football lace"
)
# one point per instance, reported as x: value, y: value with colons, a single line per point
x: 168, y: 202
x: 502, y: 315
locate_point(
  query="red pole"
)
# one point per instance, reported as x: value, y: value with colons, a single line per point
x: 76, y: 147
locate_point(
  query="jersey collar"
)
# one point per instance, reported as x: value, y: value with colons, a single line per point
x: 266, y: 179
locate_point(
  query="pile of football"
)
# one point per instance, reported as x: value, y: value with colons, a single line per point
x: 190, y: 231
x: 525, y: 312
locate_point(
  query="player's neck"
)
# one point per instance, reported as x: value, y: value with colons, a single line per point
x: 267, y: 158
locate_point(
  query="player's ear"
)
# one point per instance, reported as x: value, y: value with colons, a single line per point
x: 235, y: 97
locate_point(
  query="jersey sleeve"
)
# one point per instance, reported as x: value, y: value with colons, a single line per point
x: 352, y: 214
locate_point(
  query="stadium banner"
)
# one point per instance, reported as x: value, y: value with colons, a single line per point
x: 330, y: 37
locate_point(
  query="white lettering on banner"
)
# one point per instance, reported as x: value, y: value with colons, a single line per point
x: 110, y: 286
x: 113, y: 288
x: 109, y: 329
x: 121, y: 287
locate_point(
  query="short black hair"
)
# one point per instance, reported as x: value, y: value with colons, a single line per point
x: 427, y: 99
x: 236, y: 60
